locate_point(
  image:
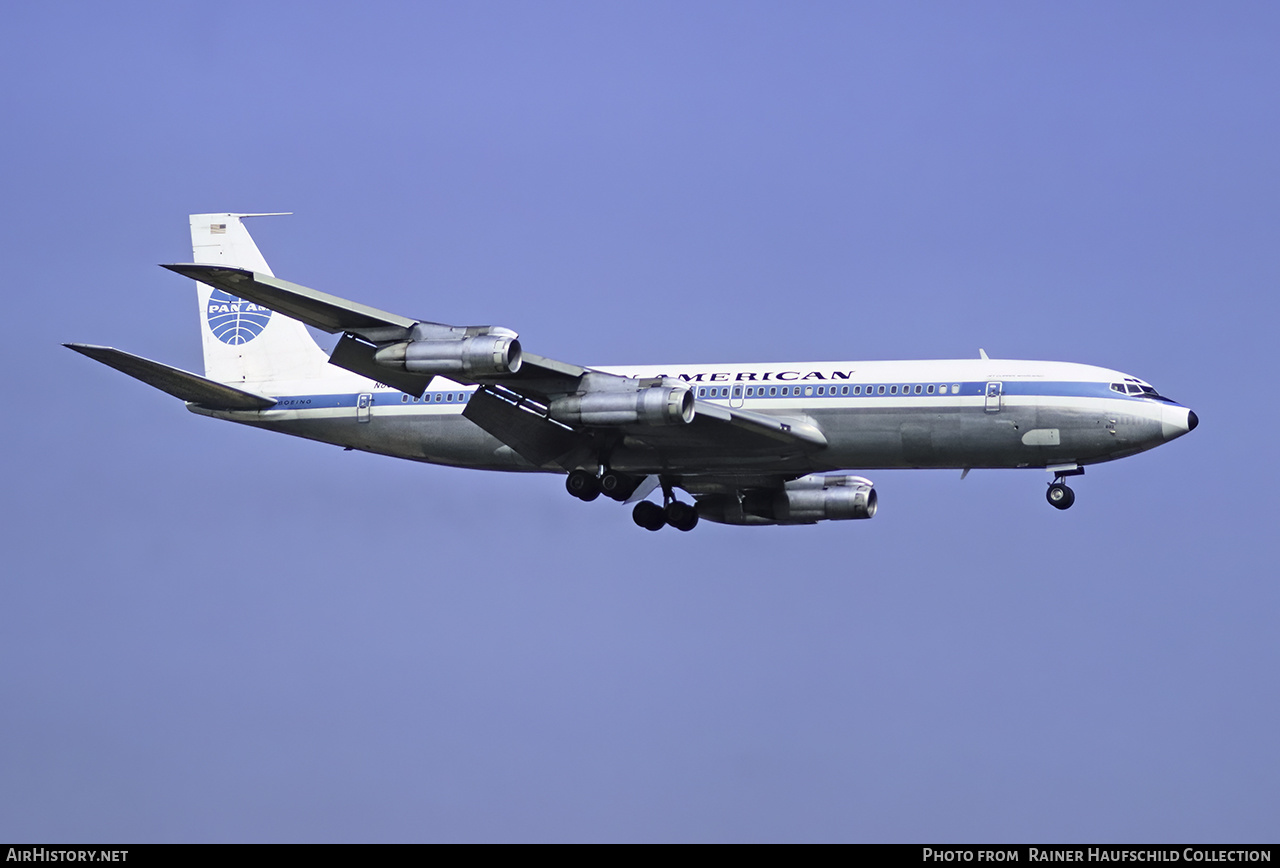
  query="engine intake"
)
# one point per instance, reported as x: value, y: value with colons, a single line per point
x: 655, y: 405
x: 479, y: 356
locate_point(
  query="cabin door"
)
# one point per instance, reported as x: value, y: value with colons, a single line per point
x: 994, y: 392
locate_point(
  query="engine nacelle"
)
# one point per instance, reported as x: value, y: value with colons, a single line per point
x: 654, y: 405
x: 806, y: 500
x: 480, y: 356
x: 825, y: 498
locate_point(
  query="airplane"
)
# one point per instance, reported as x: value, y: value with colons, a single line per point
x: 751, y: 444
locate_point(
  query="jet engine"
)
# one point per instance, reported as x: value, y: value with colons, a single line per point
x: 653, y: 405
x: 485, y: 355
x: 806, y: 500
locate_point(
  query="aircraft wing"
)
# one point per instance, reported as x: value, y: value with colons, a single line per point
x: 177, y: 382
x: 317, y: 309
x: 513, y: 407
x: 364, y: 328
x: 525, y: 424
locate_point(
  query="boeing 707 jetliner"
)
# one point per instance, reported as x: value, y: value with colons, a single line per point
x: 751, y: 444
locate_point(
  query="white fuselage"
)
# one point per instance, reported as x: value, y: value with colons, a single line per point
x: 969, y: 413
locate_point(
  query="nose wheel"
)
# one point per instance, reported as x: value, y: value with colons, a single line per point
x: 1059, y: 495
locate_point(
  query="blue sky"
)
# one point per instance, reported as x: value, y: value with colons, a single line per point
x: 217, y: 634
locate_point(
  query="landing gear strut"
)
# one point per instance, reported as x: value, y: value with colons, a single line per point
x: 1059, y: 495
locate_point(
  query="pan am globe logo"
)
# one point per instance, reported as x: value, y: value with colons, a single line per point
x: 234, y: 320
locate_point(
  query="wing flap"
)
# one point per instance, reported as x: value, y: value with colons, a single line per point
x: 528, y: 432
x: 175, y: 381
x: 357, y: 356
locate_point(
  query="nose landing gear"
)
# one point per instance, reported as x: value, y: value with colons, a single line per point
x: 1059, y: 495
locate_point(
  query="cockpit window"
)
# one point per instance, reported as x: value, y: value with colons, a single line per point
x: 1140, y: 390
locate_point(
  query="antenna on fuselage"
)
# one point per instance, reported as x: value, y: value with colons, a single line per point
x: 983, y: 354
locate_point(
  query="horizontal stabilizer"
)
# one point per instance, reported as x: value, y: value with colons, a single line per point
x: 177, y: 382
x: 318, y: 309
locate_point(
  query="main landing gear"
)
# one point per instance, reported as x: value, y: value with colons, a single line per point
x: 680, y: 515
x: 1059, y: 495
x: 585, y: 485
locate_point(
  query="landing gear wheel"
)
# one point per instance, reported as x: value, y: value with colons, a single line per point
x: 1060, y: 496
x: 648, y: 515
x: 618, y: 486
x: 682, y: 516
x: 583, y: 485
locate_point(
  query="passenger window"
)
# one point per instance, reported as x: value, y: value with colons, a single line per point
x: 773, y: 390
x: 702, y: 392
x: 955, y: 388
x: 821, y: 391
x: 893, y: 390
x: 857, y: 390
x: 844, y: 390
x: 808, y: 390
x: 880, y: 391
x: 930, y: 389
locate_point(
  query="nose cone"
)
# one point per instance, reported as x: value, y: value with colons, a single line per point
x: 1176, y: 421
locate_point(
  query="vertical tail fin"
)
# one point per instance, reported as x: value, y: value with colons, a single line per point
x: 243, y: 342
